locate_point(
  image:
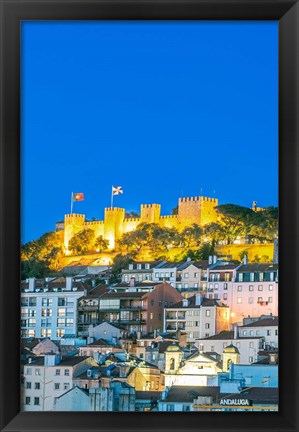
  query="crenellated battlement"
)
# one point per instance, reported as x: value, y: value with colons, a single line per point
x: 72, y: 216
x: 98, y: 222
x: 198, y: 210
x: 150, y: 206
x: 169, y: 217
x: 114, y: 210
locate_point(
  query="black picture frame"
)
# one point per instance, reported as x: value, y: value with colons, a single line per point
x: 12, y: 13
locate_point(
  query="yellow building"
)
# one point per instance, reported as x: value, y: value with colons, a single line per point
x: 198, y: 210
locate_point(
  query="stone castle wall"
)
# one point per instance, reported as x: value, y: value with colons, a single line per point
x: 193, y: 210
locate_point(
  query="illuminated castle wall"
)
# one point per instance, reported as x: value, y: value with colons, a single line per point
x: 199, y: 210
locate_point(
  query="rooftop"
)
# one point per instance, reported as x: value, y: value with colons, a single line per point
x: 265, y: 322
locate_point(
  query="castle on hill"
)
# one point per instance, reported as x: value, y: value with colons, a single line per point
x: 198, y: 210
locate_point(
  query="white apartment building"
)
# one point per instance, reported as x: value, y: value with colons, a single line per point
x: 251, y: 291
x: 48, y: 377
x: 197, y: 316
x: 49, y: 308
x: 248, y: 346
x: 266, y: 328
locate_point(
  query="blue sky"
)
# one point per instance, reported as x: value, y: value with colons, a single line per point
x: 164, y: 109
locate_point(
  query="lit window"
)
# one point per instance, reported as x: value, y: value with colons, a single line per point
x: 239, y: 288
x: 208, y: 313
x: 270, y: 299
x: 239, y: 300
x: 270, y: 287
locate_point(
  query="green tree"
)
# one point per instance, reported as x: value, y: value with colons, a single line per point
x: 101, y: 243
x: 82, y: 242
x: 119, y: 263
x: 192, y: 236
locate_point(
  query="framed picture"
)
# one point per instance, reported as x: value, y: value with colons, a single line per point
x: 161, y: 312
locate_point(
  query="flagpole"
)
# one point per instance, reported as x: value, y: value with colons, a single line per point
x: 72, y: 203
x: 111, y: 196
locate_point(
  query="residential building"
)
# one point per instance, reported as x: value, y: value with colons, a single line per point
x: 184, y: 398
x: 110, y: 333
x: 266, y: 328
x: 49, y: 307
x: 140, y: 271
x: 191, y: 275
x: 88, y: 309
x: 248, y: 347
x: 197, y: 316
x: 48, y: 377
x: 138, y: 311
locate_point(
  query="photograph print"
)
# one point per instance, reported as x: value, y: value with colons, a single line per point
x: 149, y: 223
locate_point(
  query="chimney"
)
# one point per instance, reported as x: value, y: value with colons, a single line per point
x: 31, y: 284
x: 132, y: 282
x: 210, y: 259
x: 245, y: 259
x: 198, y: 299
x: 69, y: 283
x: 214, y: 259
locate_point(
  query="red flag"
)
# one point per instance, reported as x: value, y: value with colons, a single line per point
x: 79, y: 196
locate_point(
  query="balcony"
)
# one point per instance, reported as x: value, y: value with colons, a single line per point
x: 92, y: 308
x: 181, y: 317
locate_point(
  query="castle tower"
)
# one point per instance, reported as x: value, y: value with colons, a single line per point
x: 197, y: 210
x: 230, y: 355
x: 73, y: 223
x: 113, y: 225
x: 173, y: 358
x: 150, y: 213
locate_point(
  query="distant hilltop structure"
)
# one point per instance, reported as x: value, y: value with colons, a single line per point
x: 198, y: 210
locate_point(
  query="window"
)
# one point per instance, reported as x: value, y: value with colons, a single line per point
x: 28, y: 385
x: 244, y: 332
x: 250, y: 300
x: 216, y: 286
x: 251, y: 344
x: 139, y: 266
x: 31, y: 333
x: 169, y: 407
x: 251, y: 277
x: 186, y: 407
x: 56, y: 386
x: 238, y: 344
x: 60, y: 333
x: 226, y: 277
x: 37, y: 386
x: 130, y: 266
x: 32, y: 301
x: 261, y: 277
x: 260, y: 287
x: 66, y: 372
x: 29, y: 371
x: 251, y: 333
x: 32, y: 322
x: 276, y: 332
x: 147, y: 266
x: 239, y: 300
x: 186, y: 285
x: 207, y: 334
x: 225, y: 296
x: 46, y: 302
x: 196, y: 275
x: 157, y: 275
x: 270, y: 287
x: 151, y: 315
x: 37, y: 371
x: 61, y: 301
x: 36, y: 401
x: 60, y: 322
x: 250, y: 359
x: 225, y: 286
x: 271, y: 276
x: 268, y: 332
x: 172, y: 274
x: 239, y: 288
x: 270, y: 299
x: 162, y: 274
x: 260, y: 299
x: 208, y: 313
x: 240, y: 277
x: 250, y: 287
x: 212, y: 348
x: 27, y: 400
x: 61, y: 311
x: 69, y: 322
x: 66, y: 386
x: 207, y: 325
x: 57, y: 372
x: 186, y: 275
